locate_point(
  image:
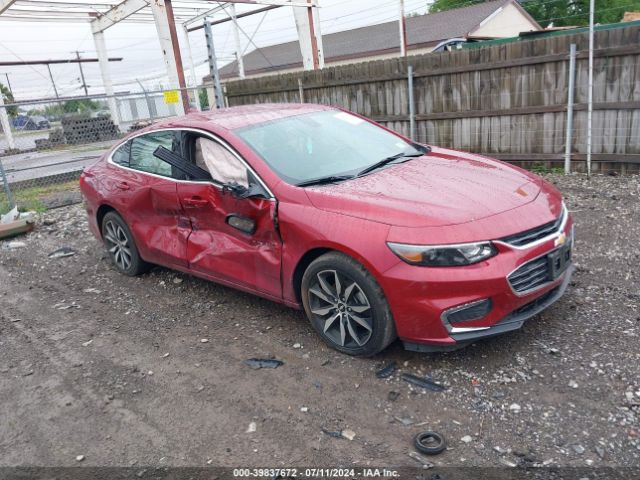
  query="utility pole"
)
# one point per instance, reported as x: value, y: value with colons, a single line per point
x: 84, y: 83
x: 403, y: 30
x: 55, y: 90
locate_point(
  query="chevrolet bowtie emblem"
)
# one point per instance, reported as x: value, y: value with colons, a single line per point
x: 562, y: 238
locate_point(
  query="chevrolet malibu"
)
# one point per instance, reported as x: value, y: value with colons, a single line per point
x: 375, y: 236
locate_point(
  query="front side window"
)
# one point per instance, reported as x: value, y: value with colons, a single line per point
x: 142, y: 148
x: 321, y: 144
x: 223, y: 166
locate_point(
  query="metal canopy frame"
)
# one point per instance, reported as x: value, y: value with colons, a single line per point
x: 191, y: 14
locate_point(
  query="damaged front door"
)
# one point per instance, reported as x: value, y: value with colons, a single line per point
x: 232, y: 239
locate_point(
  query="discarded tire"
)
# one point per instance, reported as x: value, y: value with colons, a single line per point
x: 430, y: 443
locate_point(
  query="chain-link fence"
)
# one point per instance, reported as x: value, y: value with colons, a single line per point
x: 45, y: 144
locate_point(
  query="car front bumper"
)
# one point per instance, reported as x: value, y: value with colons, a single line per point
x: 422, y: 298
x: 513, y: 321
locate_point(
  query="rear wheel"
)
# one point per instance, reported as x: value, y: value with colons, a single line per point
x: 121, y: 246
x: 346, y: 306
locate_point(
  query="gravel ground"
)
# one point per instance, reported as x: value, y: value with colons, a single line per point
x: 149, y: 371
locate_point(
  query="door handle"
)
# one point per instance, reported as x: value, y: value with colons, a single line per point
x: 123, y: 186
x: 195, y: 202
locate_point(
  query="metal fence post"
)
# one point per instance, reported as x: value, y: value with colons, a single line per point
x: 590, y: 95
x: 5, y: 184
x: 570, y: 99
x: 412, y: 113
x: 225, y: 96
x: 300, y: 90
x: 6, y: 126
x: 213, y: 64
x: 148, y: 100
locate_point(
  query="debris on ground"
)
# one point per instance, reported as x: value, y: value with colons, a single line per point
x: 257, y: 363
x: 404, y: 421
x: 507, y: 463
x: 393, y: 396
x: 15, y: 223
x: 11, y: 216
x: 424, y: 461
x: 332, y: 433
x: 423, y: 382
x: 252, y: 427
x: 348, y: 434
x: 430, y: 443
x: 62, y: 252
x: 387, y: 371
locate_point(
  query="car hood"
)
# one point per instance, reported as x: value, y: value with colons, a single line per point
x: 444, y: 187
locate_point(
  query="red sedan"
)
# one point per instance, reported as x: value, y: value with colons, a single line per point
x: 373, y: 235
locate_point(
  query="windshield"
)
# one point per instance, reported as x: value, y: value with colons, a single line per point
x: 322, y: 144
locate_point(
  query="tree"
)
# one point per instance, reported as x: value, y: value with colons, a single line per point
x: 576, y: 12
x: 442, y: 5
x: 204, y: 99
x: 7, y: 97
x: 558, y: 12
x: 79, y: 106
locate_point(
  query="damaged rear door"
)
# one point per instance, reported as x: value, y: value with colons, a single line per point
x: 145, y: 193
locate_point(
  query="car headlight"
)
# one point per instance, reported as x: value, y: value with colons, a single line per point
x: 444, y: 255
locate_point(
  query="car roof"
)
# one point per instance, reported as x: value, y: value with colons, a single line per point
x: 246, y: 115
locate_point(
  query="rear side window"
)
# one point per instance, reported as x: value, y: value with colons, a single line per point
x: 142, y: 148
x: 121, y: 154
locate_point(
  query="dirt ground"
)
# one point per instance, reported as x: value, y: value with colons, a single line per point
x: 149, y: 371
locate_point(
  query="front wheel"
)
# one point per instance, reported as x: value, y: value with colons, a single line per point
x: 346, y: 306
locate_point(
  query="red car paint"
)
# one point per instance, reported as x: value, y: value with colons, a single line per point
x: 446, y: 197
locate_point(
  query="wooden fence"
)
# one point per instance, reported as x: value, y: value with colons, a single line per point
x: 507, y: 100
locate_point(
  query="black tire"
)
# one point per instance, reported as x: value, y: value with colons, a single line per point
x: 359, y: 323
x: 121, y: 246
x: 430, y: 443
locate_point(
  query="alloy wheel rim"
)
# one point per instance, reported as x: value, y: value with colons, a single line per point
x: 342, y: 309
x: 118, y: 245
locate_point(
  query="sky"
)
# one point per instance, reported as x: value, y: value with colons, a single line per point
x: 140, y: 49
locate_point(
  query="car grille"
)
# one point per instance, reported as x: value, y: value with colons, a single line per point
x: 530, y: 275
x: 534, y: 234
x: 536, y: 303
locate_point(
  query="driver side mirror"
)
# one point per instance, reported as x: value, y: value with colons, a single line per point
x: 240, y: 191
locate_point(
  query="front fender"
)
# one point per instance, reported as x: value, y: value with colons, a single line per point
x: 305, y: 228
